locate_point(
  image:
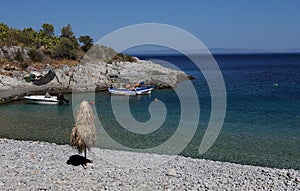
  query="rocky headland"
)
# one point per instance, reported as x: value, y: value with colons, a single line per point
x: 84, y: 76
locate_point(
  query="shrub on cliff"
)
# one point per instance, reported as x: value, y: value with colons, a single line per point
x: 65, y: 49
x: 24, y: 65
x: 18, y: 56
x: 45, y: 42
x: 6, y: 35
x: 122, y: 58
x: 28, y: 37
x: 35, y: 55
x: 103, y: 53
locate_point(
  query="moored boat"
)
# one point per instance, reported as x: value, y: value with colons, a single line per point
x: 118, y: 91
x: 144, y: 90
x: 42, y: 99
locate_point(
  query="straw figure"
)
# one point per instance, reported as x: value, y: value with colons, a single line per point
x: 83, y: 135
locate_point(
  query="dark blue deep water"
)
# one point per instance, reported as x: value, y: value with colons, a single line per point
x: 262, y: 123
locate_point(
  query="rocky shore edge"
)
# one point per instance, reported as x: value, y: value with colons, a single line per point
x: 88, y: 77
x: 30, y: 165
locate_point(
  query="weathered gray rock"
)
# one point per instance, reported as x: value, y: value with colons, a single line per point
x: 88, y: 76
x: 7, y: 82
x: 171, y: 172
x: 10, y: 52
x: 128, y: 72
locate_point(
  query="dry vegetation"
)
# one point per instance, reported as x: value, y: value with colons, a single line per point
x: 39, y: 48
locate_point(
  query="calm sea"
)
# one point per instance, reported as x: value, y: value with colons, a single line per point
x: 262, y: 123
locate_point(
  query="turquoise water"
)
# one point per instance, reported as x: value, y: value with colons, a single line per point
x: 262, y: 124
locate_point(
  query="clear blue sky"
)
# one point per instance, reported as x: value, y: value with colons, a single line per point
x: 253, y: 24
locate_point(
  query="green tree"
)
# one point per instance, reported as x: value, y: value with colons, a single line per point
x: 67, y: 32
x: 87, y: 42
x: 65, y: 49
x: 48, y: 29
x: 4, y: 34
x: 4, y: 28
x: 28, y: 37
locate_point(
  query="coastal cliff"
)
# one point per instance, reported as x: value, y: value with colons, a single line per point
x: 75, y: 63
x: 103, y: 75
x: 83, y: 76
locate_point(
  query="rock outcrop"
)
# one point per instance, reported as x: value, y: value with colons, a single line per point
x: 10, y: 52
x: 7, y: 82
x: 103, y: 75
x: 88, y: 76
x: 84, y: 76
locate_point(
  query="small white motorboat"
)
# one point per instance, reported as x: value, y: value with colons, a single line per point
x: 42, y: 99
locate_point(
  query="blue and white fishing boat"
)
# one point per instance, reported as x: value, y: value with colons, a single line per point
x: 118, y: 91
x: 144, y: 90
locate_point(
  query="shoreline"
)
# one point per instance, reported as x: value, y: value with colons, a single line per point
x: 31, y: 165
x: 88, y: 77
x: 16, y: 94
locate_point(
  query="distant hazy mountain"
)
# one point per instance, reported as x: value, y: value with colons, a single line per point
x: 236, y: 51
x: 151, y: 49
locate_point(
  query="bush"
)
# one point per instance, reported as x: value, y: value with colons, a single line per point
x: 24, y: 65
x: 35, y: 55
x: 123, y: 58
x: 66, y: 49
x: 19, y: 56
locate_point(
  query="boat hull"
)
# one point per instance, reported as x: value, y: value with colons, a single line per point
x: 136, y: 91
x: 146, y: 92
x: 117, y: 91
x: 41, y: 99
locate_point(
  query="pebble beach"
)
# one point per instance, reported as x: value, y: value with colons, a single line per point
x: 30, y: 165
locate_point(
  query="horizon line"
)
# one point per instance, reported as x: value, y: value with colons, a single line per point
x: 213, y: 51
